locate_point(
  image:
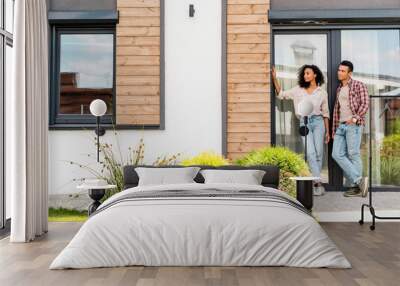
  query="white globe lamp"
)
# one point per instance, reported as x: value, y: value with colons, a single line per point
x: 98, y: 108
x: 305, y: 108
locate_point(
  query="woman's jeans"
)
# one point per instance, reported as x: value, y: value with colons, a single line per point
x: 346, y: 152
x: 315, y: 143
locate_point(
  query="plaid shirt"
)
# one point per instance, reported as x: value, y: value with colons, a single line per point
x: 358, y: 100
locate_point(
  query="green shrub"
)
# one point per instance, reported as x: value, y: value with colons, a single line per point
x: 390, y: 171
x: 385, y: 161
x: 289, y: 163
x: 390, y: 160
x: 206, y: 158
x: 393, y: 126
x: 391, y: 146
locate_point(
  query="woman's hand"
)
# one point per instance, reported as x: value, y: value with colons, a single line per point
x: 273, y: 72
x: 275, y: 80
x: 327, y: 137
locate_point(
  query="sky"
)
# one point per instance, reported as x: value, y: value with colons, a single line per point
x: 89, y: 55
x: 371, y: 51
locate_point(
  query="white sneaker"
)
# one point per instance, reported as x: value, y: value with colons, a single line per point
x: 363, y: 185
x: 318, y: 191
x: 322, y: 190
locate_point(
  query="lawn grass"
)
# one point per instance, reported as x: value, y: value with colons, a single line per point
x: 66, y: 215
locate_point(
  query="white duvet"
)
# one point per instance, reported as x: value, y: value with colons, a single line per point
x: 200, y: 231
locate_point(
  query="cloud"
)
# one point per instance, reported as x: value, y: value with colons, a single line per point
x: 91, y: 56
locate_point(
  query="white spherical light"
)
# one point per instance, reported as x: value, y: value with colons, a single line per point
x: 98, y: 107
x: 305, y: 107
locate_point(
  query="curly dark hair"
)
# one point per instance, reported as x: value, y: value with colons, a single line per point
x: 319, y: 78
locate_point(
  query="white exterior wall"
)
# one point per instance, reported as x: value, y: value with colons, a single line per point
x: 192, y: 99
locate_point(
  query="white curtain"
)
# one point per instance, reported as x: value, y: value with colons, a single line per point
x: 28, y: 122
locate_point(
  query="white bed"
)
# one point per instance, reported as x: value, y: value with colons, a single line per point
x: 184, y: 230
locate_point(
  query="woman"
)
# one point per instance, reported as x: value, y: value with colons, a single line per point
x: 310, y: 79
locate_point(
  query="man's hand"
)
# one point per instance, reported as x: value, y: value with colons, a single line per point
x: 327, y: 137
x: 350, y: 122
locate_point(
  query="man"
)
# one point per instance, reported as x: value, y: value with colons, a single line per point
x: 348, y: 121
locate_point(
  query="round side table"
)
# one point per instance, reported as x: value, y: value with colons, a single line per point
x: 96, y: 193
x: 304, y: 190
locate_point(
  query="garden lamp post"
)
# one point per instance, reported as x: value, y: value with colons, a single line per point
x: 305, y: 108
x: 98, y: 108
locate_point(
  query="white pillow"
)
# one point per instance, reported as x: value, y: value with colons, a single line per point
x: 248, y: 177
x: 166, y: 176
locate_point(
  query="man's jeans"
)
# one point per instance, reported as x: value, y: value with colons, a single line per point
x: 346, y: 152
x: 315, y: 143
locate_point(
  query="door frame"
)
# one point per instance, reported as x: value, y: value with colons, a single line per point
x: 334, y: 58
x: 334, y: 172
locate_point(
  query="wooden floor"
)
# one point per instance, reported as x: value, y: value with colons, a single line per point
x: 375, y: 257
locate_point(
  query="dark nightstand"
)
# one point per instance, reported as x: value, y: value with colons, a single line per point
x: 304, y: 190
x: 96, y: 193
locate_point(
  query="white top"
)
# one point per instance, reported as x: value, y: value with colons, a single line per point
x: 305, y: 178
x: 319, y: 99
x: 345, y: 111
x: 93, y: 187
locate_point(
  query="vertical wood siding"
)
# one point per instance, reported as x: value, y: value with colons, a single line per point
x: 138, y: 62
x: 248, y: 72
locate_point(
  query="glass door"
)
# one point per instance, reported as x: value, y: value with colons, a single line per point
x: 375, y: 54
x: 291, y: 51
x: 376, y: 58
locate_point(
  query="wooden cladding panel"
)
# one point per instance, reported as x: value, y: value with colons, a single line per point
x: 138, y: 54
x: 248, y: 9
x: 247, y: 19
x: 137, y: 31
x: 248, y: 77
x: 248, y: 39
x: 138, y: 4
x: 248, y: 68
x: 140, y: 12
x: 138, y: 41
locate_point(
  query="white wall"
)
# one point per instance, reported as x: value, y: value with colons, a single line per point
x: 192, y: 99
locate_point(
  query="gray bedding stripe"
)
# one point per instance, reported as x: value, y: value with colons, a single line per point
x: 207, y: 194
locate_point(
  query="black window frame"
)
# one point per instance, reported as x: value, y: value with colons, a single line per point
x: 6, y: 39
x: 78, y: 121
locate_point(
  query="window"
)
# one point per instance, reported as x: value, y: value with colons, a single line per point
x: 376, y: 57
x: 83, y: 64
x: 9, y: 15
x: 6, y: 63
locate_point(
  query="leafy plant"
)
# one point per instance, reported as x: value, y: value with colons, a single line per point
x: 385, y: 161
x: 206, y: 158
x: 289, y: 163
x: 111, y: 165
x: 390, y: 171
x: 394, y: 126
x: 390, y: 160
x: 391, y: 146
